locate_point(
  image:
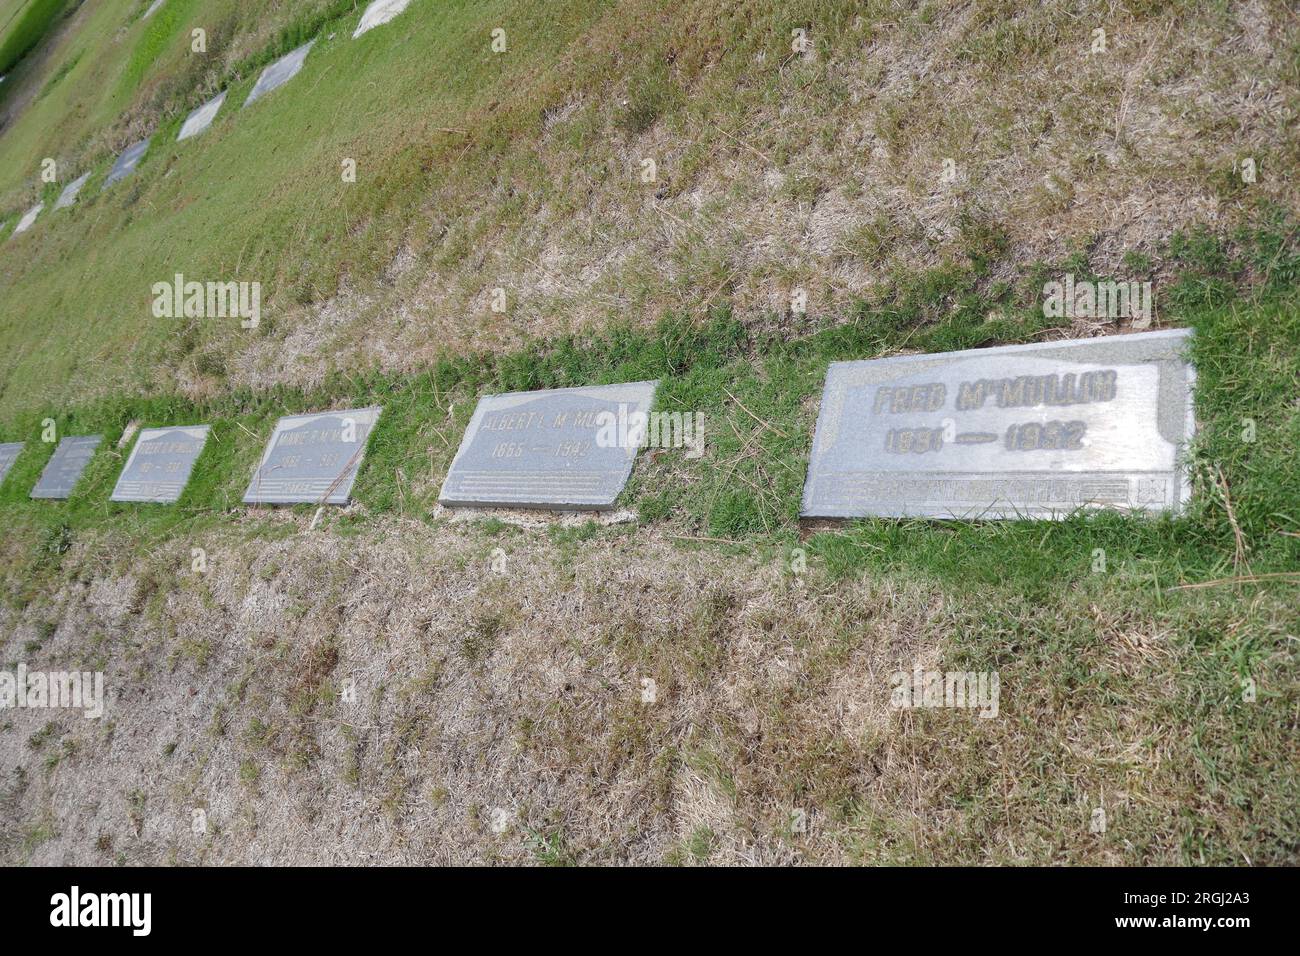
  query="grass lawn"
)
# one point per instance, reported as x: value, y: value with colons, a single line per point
x: 1147, y: 665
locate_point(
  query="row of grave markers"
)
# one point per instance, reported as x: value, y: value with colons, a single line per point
x: 274, y: 76
x: 1021, y: 431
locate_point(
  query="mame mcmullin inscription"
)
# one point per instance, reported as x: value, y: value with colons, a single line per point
x: 1022, y: 430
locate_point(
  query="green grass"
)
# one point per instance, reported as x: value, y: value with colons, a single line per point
x: 26, y: 27
x: 747, y: 487
x: 259, y: 198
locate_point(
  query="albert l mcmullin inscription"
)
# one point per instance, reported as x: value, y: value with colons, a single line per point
x: 312, y: 459
x: 567, y: 449
x: 160, y: 464
x: 1021, y: 431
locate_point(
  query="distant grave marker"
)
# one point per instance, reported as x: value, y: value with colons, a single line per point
x: 65, y: 466
x: 153, y: 8
x: 8, y: 455
x: 312, y: 459
x: 69, y: 194
x: 201, y: 118
x: 160, y: 464
x: 127, y: 162
x: 549, y: 449
x: 279, y: 72
x: 379, y: 13
x: 1033, y: 431
x: 29, y: 217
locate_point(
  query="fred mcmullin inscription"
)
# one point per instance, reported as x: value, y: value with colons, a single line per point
x: 160, y: 464
x: 1032, y: 431
x: 65, y: 466
x: 563, y: 449
x: 312, y: 459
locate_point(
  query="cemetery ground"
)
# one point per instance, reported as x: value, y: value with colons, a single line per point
x: 500, y: 707
x: 522, y: 170
x: 699, y: 679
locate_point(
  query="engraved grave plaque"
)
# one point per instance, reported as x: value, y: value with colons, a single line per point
x: 312, y: 459
x: 563, y: 449
x: 28, y: 219
x: 160, y: 464
x: 201, y: 118
x: 379, y: 13
x: 66, y: 465
x: 69, y: 194
x: 8, y: 455
x: 126, y: 163
x: 278, y: 73
x: 1033, y: 431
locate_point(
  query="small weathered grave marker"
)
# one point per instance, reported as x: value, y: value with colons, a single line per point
x: 8, y: 455
x: 563, y: 449
x: 201, y: 118
x: 127, y: 162
x: 69, y: 194
x: 160, y: 464
x: 279, y: 73
x: 312, y: 459
x: 65, y: 466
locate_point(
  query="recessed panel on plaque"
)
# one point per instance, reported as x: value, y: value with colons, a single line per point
x: 563, y: 449
x: 279, y: 73
x: 8, y: 455
x: 65, y: 466
x: 312, y: 459
x: 201, y: 118
x: 1022, y: 431
x: 126, y: 163
x: 160, y: 464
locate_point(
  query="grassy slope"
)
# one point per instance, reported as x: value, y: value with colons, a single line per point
x: 1127, y: 693
x: 1119, y: 691
x: 477, y: 169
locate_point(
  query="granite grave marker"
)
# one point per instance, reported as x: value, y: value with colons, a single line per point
x: 201, y: 118
x: 1034, y: 431
x: 549, y: 449
x: 312, y: 459
x: 66, y: 465
x: 379, y: 13
x: 279, y: 73
x: 8, y: 455
x: 126, y: 163
x: 29, y: 217
x: 160, y: 464
x: 69, y: 194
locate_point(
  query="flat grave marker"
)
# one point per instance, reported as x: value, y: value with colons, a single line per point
x: 279, y: 73
x: 201, y: 118
x: 1033, y: 431
x: 159, y: 465
x: 312, y: 459
x: 549, y: 448
x: 69, y: 194
x: 65, y: 466
x: 29, y: 217
x: 8, y: 455
x: 379, y: 13
x: 125, y: 164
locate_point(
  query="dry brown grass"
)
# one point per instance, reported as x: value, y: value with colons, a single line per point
x: 825, y: 174
x: 499, y: 717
